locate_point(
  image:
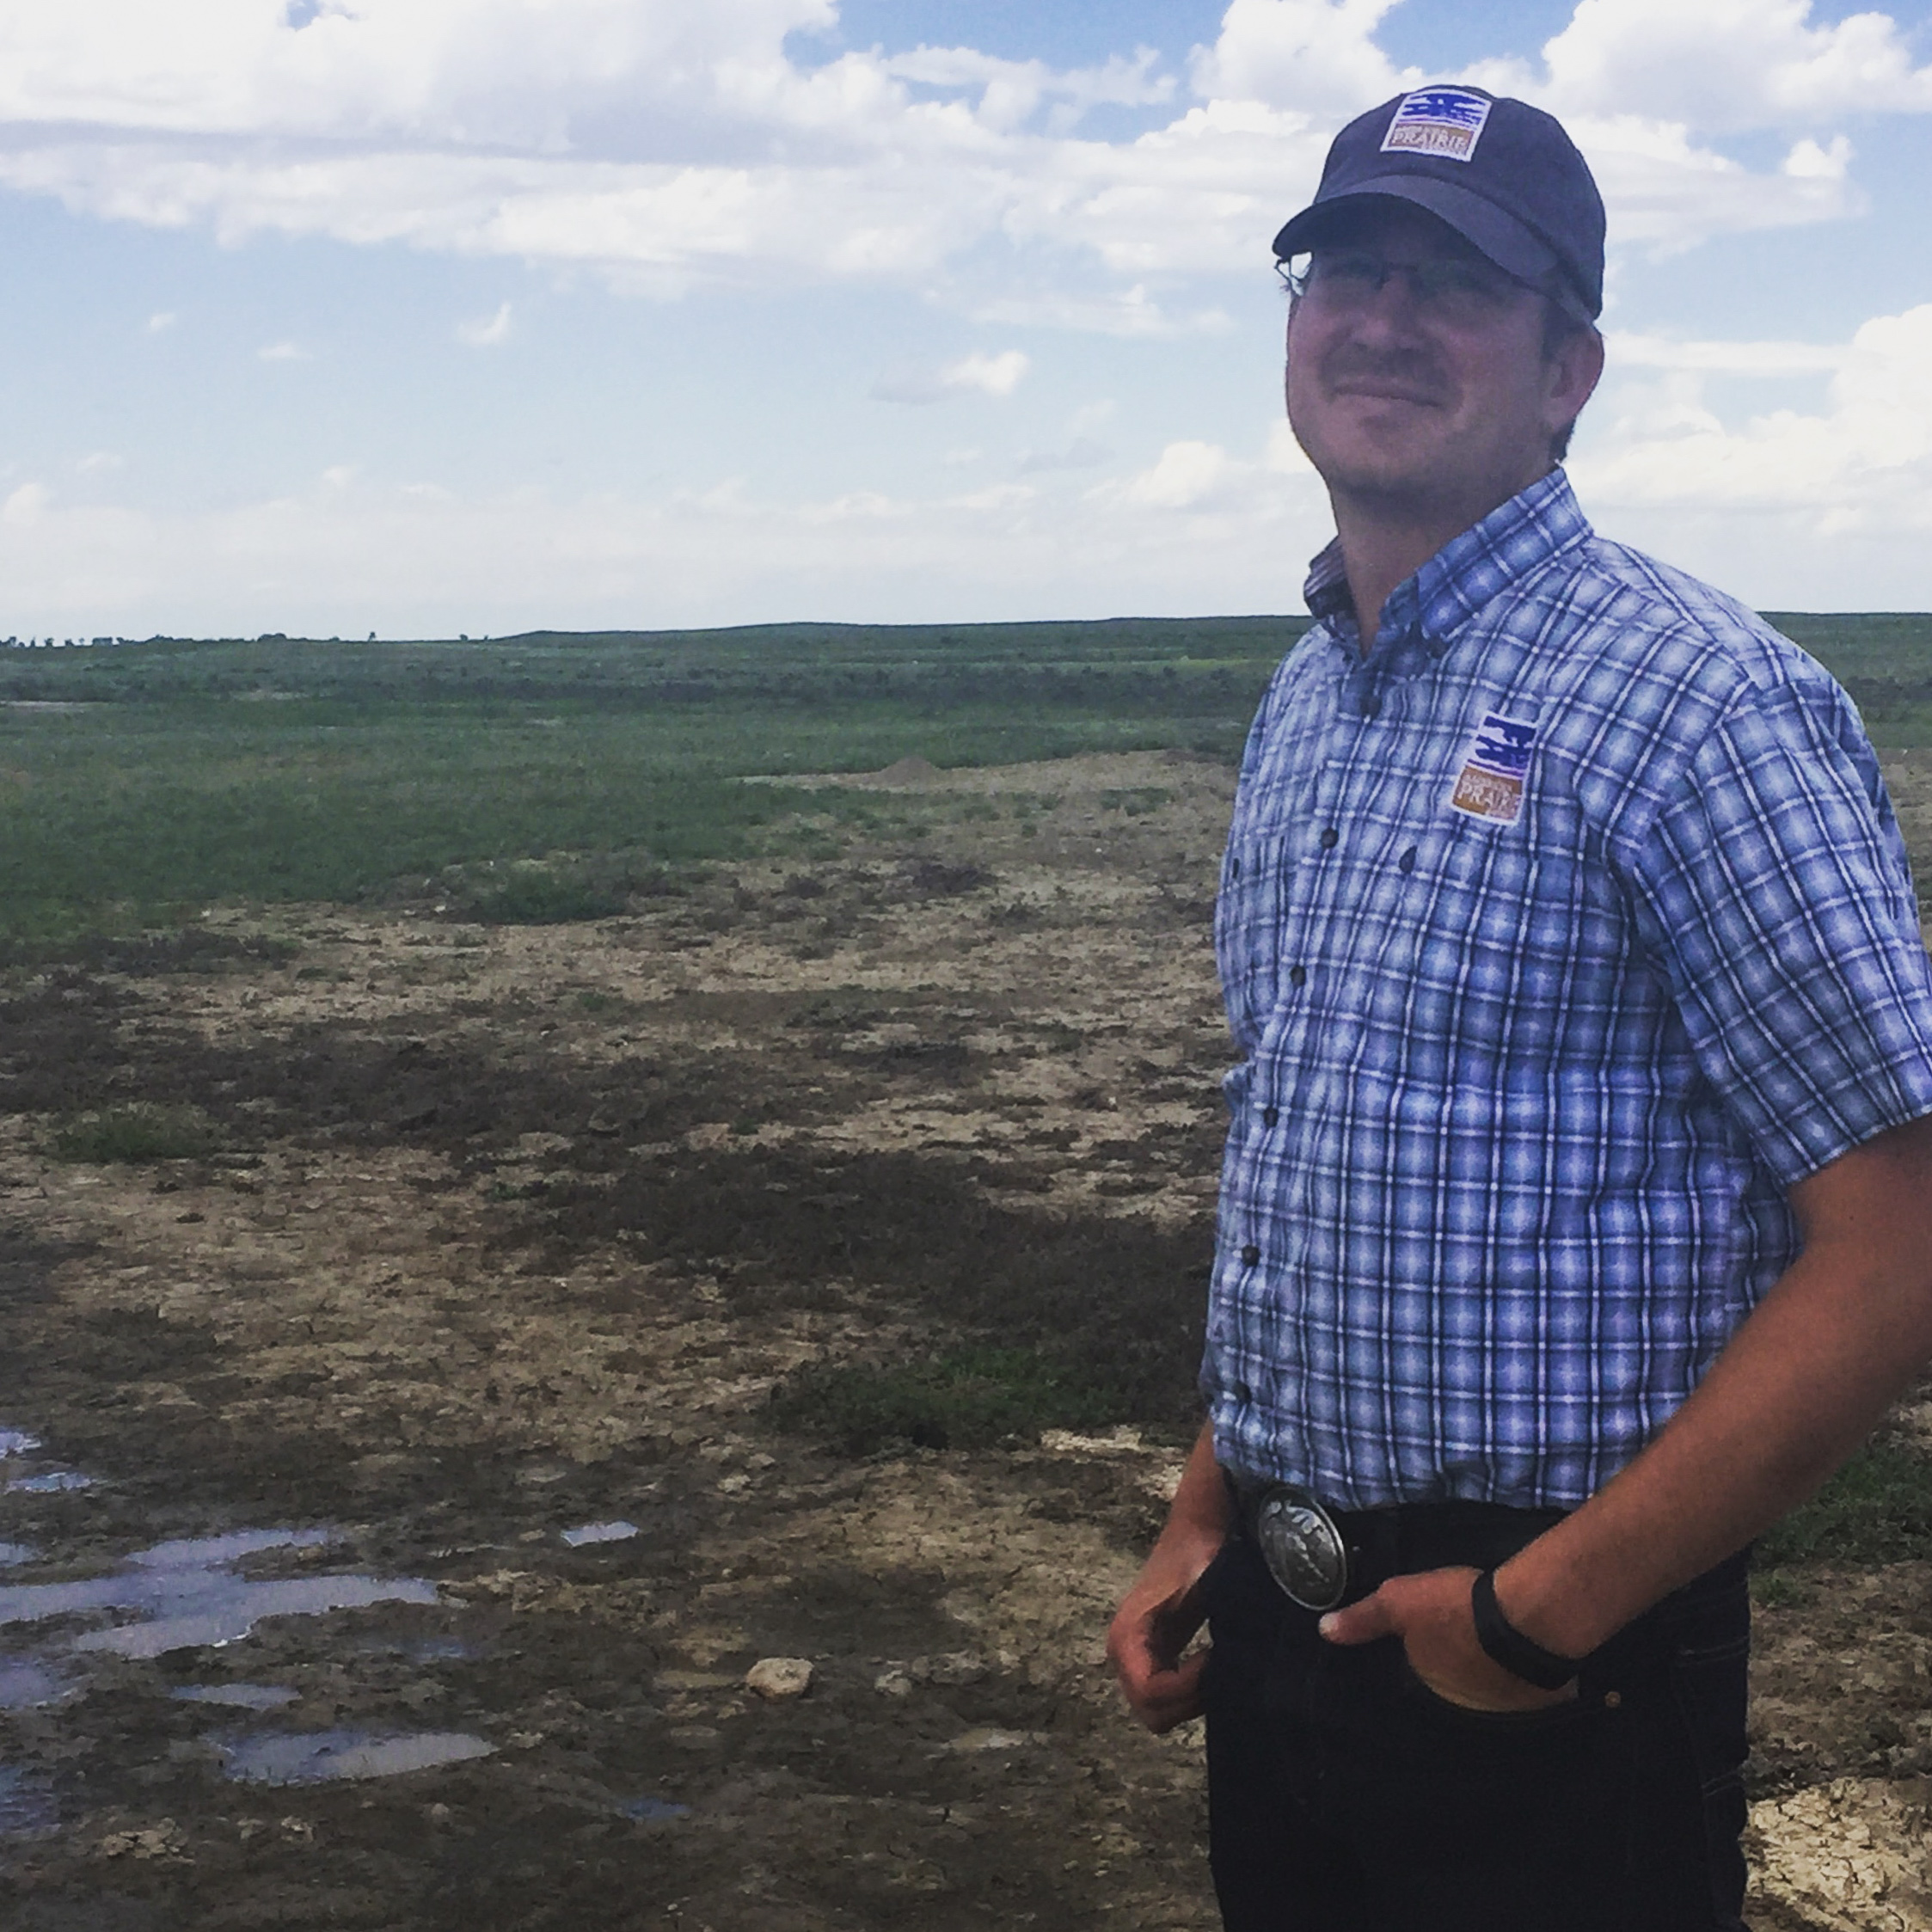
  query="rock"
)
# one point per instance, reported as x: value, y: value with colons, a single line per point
x: 952, y: 1670
x: 779, y: 1676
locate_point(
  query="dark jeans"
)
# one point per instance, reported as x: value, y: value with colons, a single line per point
x: 1345, y: 1797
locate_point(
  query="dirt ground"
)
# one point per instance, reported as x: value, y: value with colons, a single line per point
x: 509, y: 1233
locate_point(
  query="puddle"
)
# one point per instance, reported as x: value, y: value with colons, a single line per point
x: 13, y: 1554
x: 26, y: 1685
x: 653, y: 1811
x: 439, y: 1650
x: 599, y: 1533
x: 188, y: 1597
x: 319, y: 1756
x: 17, y: 1442
x: 27, y: 1805
x: 53, y: 1483
x: 240, y: 1696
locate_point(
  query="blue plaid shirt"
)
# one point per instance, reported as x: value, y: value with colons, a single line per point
x: 1560, y: 936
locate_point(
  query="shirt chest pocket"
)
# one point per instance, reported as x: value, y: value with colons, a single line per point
x: 1257, y: 881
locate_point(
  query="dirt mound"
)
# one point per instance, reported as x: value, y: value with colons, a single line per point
x: 908, y: 771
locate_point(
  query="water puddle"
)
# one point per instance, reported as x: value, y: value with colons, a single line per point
x: 27, y: 1684
x: 27, y: 1805
x: 239, y: 1696
x: 322, y: 1757
x: 653, y: 1811
x: 599, y: 1533
x: 52, y: 1482
x: 17, y: 1442
x: 188, y: 1596
x: 13, y: 1554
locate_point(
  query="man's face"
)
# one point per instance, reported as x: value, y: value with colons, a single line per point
x: 1429, y: 411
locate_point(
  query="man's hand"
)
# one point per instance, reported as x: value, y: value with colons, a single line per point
x: 1158, y: 1617
x: 1156, y: 1621
x: 1430, y: 1612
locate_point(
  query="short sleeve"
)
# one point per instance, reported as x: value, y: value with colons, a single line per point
x: 1773, y: 892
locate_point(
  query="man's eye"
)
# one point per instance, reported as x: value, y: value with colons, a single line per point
x: 1352, y: 270
x: 1458, y: 278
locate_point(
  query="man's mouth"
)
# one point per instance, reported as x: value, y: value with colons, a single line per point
x: 1383, y: 390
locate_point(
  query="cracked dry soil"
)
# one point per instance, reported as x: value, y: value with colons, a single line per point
x: 509, y: 1232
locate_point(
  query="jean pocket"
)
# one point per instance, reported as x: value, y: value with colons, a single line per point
x: 1544, y: 1721
x: 1709, y: 1653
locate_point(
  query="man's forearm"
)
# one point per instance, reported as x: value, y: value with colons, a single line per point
x: 1801, y: 1382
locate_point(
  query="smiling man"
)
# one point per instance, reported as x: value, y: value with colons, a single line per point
x: 1576, y: 1216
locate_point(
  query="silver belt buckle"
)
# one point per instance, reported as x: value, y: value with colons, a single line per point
x: 1302, y: 1546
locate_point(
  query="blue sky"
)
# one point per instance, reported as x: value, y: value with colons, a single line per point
x: 435, y: 316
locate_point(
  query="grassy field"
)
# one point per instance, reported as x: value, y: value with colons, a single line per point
x: 144, y: 782
x: 551, y: 777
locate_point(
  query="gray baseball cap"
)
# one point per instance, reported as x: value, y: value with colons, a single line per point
x: 1502, y: 174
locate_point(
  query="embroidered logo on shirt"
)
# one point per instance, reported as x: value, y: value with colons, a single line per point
x: 1490, y: 783
x: 1439, y: 120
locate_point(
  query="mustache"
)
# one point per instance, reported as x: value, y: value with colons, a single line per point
x: 1407, y: 368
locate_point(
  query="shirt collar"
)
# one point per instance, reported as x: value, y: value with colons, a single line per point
x: 1515, y: 539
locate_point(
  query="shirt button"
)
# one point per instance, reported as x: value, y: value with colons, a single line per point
x: 1234, y: 868
x: 1329, y: 834
x: 1406, y: 862
x: 1250, y: 1255
x: 1270, y: 1115
x: 1243, y: 1393
x: 1297, y: 975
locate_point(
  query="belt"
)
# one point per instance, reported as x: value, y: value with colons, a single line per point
x: 1323, y: 1557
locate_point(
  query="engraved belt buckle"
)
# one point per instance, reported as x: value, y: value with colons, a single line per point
x: 1302, y: 1546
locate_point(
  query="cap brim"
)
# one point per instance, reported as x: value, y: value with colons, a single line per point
x: 1516, y: 249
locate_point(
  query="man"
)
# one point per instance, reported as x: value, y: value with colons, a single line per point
x: 1576, y: 1218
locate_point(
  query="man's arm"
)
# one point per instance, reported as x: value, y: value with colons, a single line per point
x: 1799, y: 1384
x: 1159, y: 1616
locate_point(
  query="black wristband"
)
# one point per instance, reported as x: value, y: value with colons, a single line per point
x: 1521, y: 1656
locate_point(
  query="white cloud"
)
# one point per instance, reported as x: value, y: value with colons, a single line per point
x: 347, y: 557
x: 158, y: 323
x: 1720, y: 65
x: 987, y: 375
x: 489, y: 332
x: 282, y: 352
x: 1727, y: 358
x: 1083, y: 452
x: 1663, y: 189
x: 1868, y: 454
x: 1187, y: 476
x: 1012, y: 91
x: 24, y: 507
x: 1318, y: 56
x: 670, y: 142
x: 98, y: 461
x: 1822, y: 508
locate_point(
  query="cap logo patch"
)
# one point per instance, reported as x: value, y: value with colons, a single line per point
x: 1446, y: 121
x: 1490, y: 784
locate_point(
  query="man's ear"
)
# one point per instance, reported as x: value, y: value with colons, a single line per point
x: 1571, y: 371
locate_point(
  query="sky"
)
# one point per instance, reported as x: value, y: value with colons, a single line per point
x: 430, y: 317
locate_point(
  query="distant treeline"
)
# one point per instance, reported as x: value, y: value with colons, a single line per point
x: 1136, y: 663
x: 1130, y: 663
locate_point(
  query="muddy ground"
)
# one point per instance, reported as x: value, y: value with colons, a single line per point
x: 504, y: 1233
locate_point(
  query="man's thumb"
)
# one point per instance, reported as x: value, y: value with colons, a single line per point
x: 1359, y: 1623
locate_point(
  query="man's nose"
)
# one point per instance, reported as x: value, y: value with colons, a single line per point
x: 1396, y: 304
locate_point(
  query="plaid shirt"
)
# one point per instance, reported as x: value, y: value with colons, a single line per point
x: 1560, y: 936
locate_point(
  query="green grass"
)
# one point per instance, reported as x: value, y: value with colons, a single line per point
x: 972, y: 1398
x: 134, y: 1132
x: 402, y: 771
x: 1877, y: 1509
x: 577, y: 766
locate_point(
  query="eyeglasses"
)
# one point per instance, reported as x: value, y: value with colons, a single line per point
x: 1460, y: 293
